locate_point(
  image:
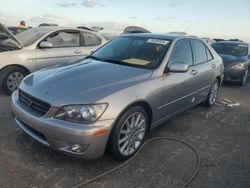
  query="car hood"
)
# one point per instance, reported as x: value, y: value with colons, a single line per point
x: 230, y: 59
x: 82, y: 83
x: 4, y: 30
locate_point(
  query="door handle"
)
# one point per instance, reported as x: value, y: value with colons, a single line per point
x: 194, y: 72
x: 77, y: 51
x: 213, y: 66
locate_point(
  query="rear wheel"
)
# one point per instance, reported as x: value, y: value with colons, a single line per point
x: 212, y: 96
x: 244, y: 79
x: 128, y: 134
x: 11, y: 78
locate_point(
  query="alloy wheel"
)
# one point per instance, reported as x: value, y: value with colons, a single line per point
x: 244, y: 81
x: 132, y: 134
x: 14, y: 80
x: 213, y: 93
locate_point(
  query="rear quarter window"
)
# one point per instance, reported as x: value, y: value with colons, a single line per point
x: 209, y: 55
x: 91, y: 39
x: 200, y: 52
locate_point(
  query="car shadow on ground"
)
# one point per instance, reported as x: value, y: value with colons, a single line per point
x: 231, y: 84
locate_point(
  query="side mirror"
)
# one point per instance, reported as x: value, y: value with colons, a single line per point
x: 45, y: 44
x: 178, y: 67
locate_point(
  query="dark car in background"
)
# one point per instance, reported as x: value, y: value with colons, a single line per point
x: 236, y: 58
x: 219, y: 40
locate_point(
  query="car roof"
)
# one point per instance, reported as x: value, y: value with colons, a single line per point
x: 160, y: 36
x: 55, y: 28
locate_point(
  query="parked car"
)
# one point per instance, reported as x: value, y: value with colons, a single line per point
x: 236, y: 58
x: 209, y: 41
x: 5, y: 37
x: 94, y: 28
x: 219, y: 40
x: 115, y: 96
x: 135, y: 29
x: 178, y: 33
x: 41, y: 47
x: 47, y: 24
x: 236, y: 40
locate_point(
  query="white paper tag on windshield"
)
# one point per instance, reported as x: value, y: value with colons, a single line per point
x: 158, y: 41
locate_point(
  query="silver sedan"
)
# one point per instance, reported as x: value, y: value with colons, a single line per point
x: 41, y: 47
x: 113, y: 98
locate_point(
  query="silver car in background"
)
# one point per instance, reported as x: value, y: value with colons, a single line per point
x: 114, y: 97
x: 42, y: 47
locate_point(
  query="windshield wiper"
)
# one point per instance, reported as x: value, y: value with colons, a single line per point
x: 93, y: 57
x: 115, y: 61
x: 120, y: 62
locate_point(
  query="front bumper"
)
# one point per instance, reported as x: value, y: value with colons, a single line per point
x: 61, y: 135
x: 234, y: 75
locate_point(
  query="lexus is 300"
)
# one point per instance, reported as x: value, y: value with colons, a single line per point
x: 112, y: 99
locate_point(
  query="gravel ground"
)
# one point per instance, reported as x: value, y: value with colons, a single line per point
x: 220, y: 134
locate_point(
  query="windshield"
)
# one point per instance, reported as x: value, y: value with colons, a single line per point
x: 30, y: 36
x: 134, y: 51
x: 235, y: 49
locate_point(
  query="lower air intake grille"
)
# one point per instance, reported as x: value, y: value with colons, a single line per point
x: 35, y: 104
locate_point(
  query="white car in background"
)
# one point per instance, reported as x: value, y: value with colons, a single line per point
x: 42, y: 47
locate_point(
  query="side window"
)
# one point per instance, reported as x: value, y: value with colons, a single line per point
x: 200, y: 52
x: 182, y: 53
x: 64, y: 39
x: 91, y: 39
x: 209, y: 55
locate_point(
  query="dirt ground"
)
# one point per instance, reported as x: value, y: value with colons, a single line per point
x: 220, y: 134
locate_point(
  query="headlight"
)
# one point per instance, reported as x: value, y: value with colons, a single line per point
x: 81, y: 113
x: 239, y: 66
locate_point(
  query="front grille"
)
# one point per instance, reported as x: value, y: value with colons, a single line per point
x: 35, y: 104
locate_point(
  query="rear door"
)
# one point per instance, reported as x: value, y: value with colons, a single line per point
x: 203, y: 69
x: 91, y: 42
x: 67, y: 47
x: 179, y: 88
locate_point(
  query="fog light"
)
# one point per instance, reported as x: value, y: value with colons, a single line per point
x: 78, y: 148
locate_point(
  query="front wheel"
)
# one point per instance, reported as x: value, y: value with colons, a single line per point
x: 128, y: 134
x: 244, y: 79
x: 11, y: 78
x: 212, y: 96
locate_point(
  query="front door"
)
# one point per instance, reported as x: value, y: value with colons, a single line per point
x: 66, y: 48
x: 179, y: 89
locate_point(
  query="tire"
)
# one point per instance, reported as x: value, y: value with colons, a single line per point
x: 244, y: 79
x: 213, y: 93
x: 126, y: 140
x: 11, y: 78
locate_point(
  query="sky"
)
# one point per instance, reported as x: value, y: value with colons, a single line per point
x: 203, y: 18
